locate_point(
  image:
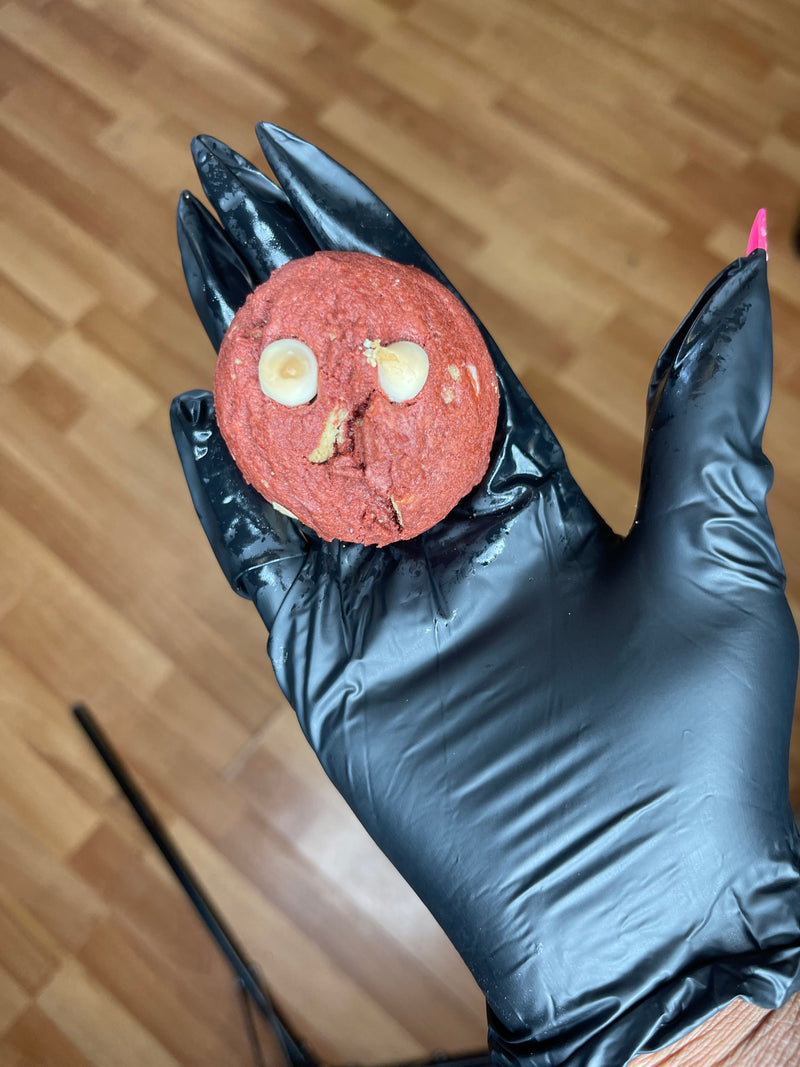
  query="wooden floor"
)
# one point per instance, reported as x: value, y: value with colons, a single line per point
x: 581, y: 170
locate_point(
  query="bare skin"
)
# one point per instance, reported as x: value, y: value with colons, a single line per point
x: 740, y: 1035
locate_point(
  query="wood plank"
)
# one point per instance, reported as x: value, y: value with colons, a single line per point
x: 97, y: 1024
x: 13, y: 1000
x: 59, y: 906
x: 35, y: 1041
x: 28, y: 954
x: 55, y: 814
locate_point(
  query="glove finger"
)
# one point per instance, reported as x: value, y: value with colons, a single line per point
x: 218, y: 279
x: 342, y: 213
x: 259, y: 549
x: 337, y: 208
x: 256, y: 216
x: 705, y: 477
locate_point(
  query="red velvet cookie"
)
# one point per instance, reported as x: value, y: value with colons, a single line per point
x: 301, y: 396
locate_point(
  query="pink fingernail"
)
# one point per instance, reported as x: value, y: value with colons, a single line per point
x: 758, y: 233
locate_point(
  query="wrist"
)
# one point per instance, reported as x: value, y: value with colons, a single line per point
x: 740, y: 1035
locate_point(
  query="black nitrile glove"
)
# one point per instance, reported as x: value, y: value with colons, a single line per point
x: 573, y: 745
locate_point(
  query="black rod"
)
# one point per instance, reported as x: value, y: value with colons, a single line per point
x: 245, y: 971
x: 249, y: 1024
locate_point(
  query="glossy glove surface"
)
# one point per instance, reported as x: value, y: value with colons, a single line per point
x: 572, y: 744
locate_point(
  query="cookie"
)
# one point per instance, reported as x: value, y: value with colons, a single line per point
x: 358, y: 395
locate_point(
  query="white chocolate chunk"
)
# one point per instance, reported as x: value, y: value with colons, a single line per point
x: 287, y: 372
x: 285, y: 511
x: 332, y: 435
x: 402, y: 368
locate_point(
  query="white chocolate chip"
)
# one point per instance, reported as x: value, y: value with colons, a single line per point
x: 332, y: 435
x: 285, y: 511
x: 454, y: 372
x: 402, y: 368
x: 287, y: 372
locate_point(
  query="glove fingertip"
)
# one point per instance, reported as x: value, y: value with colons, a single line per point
x: 191, y: 409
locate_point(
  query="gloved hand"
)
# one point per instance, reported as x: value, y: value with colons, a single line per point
x: 572, y: 744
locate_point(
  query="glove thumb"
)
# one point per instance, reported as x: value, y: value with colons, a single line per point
x: 705, y: 479
x: 259, y: 550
